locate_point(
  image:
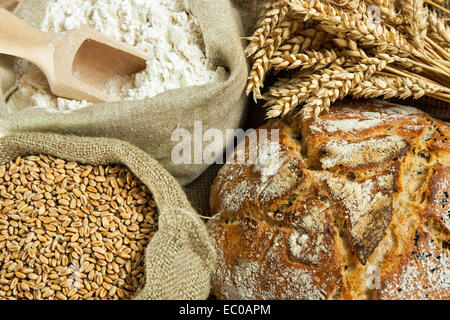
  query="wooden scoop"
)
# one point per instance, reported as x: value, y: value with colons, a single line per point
x: 78, y: 65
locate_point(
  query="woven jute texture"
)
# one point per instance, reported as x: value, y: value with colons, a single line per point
x: 180, y: 257
x: 149, y: 124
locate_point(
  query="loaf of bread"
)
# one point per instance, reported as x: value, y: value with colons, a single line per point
x: 356, y: 208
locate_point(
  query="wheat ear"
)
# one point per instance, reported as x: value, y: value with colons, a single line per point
x: 273, y: 13
x: 358, y: 27
x: 336, y: 84
x: 261, y: 65
x: 387, y: 10
x: 438, y: 30
x: 390, y: 87
x: 416, y: 19
x: 310, y: 59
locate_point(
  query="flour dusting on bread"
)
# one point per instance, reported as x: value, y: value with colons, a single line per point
x: 351, y: 154
x: 269, y: 160
x: 348, y: 199
x: 425, y: 274
x: 356, y: 120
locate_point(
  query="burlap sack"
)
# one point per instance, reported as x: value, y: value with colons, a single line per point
x: 180, y: 256
x: 148, y: 124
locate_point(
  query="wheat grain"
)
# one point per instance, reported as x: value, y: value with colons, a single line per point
x: 61, y: 235
x: 416, y: 19
x: 287, y: 95
x: 350, y: 5
x: 387, y: 10
x: 310, y: 59
x: 358, y: 27
x: 293, y: 45
x: 438, y: 30
x: 275, y: 12
x: 315, y: 36
x: 261, y: 65
x: 390, y: 87
x: 348, y: 47
x: 336, y: 84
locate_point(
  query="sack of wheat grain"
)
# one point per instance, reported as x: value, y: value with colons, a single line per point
x: 178, y: 259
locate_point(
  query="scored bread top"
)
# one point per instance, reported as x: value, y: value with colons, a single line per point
x: 439, y: 196
x: 348, y: 196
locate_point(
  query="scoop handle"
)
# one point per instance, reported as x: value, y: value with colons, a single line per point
x: 19, y: 39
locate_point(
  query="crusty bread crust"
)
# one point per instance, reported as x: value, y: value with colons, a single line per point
x: 361, y: 191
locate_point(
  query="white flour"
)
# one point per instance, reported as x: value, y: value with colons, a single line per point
x: 269, y: 161
x: 161, y: 28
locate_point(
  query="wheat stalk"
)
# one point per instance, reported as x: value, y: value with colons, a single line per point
x: 306, y: 37
x: 387, y: 10
x: 327, y: 49
x: 350, y: 5
x: 390, y: 87
x: 361, y: 28
x: 441, y: 8
x: 273, y: 13
x: 319, y: 90
x: 438, y: 30
x: 314, y: 37
x: 416, y: 16
x: 261, y: 66
x: 355, y: 52
x: 358, y: 27
x: 310, y: 59
x: 293, y: 45
x: 336, y: 85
